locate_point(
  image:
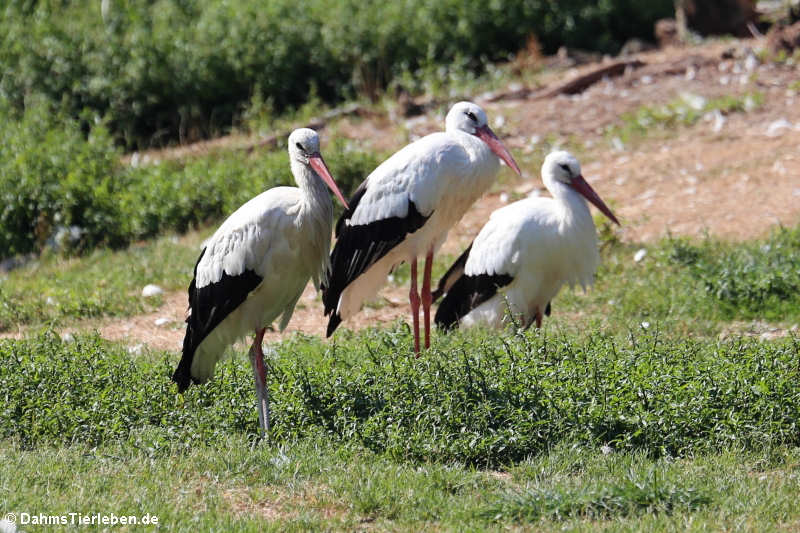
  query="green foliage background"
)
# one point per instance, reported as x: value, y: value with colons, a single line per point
x: 162, y: 70
x: 54, y: 176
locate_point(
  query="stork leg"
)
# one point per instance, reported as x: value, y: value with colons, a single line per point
x: 538, y: 318
x: 260, y: 374
x: 413, y: 298
x: 426, y: 297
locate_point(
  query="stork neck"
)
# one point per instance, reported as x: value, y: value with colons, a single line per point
x: 483, y: 161
x: 315, y: 193
x: 573, y: 204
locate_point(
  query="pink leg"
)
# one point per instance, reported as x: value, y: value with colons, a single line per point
x: 538, y: 318
x: 413, y: 298
x: 260, y: 375
x: 426, y: 297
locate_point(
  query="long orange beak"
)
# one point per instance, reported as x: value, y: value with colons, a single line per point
x: 486, y: 134
x: 319, y: 166
x: 583, y: 187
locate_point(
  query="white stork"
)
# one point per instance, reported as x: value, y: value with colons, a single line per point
x: 255, y: 267
x: 405, y: 208
x: 525, y: 253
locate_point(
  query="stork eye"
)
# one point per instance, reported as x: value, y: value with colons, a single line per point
x: 565, y: 168
x: 471, y: 116
x: 300, y: 146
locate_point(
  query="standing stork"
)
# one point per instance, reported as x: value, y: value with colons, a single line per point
x: 527, y: 251
x: 255, y: 267
x: 404, y: 210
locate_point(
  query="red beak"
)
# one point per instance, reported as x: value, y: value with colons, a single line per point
x: 486, y: 134
x: 583, y: 187
x: 319, y: 166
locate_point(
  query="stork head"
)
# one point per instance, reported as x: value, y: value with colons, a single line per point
x: 304, y: 148
x: 470, y: 118
x: 563, y: 167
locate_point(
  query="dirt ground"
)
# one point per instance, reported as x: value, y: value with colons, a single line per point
x: 731, y: 176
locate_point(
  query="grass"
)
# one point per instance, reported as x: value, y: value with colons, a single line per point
x: 625, y: 413
x: 55, y: 290
x: 316, y: 486
x: 375, y: 440
x: 478, y: 399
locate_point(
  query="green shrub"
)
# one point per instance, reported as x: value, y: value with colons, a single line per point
x: 760, y: 279
x: 52, y: 176
x: 55, y: 179
x: 162, y: 70
x: 476, y: 398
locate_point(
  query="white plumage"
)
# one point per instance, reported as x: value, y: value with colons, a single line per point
x: 405, y: 208
x: 254, y: 268
x: 526, y: 252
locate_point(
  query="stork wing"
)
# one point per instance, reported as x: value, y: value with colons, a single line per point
x: 489, y: 264
x: 452, y: 275
x: 396, y: 199
x: 232, y: 265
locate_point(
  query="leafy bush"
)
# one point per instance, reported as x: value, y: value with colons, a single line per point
x: 479, y: 398
x: 64, y: 188
x: 162, y: 70
x: 51, y: 177
x: 754, y: 279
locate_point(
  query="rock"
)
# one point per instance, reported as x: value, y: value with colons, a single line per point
x: 695, y: 101
x: 778, y: 127
x: 751, y: 62
x: 161, y: 321
x: 152, y: 290
x: 639, y: 255
x: 67, y: 337
x: 7, y: 524
x: 136, y: 349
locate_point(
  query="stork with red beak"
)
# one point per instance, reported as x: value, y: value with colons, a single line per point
x: 254, y: 268
x: 404, y: 209
x: 525, y: 253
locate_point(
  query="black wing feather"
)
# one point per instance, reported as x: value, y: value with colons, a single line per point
x: 451, y: 276
x: 352, y: 205
x: 359, y: 247
x: 467, y: 293
x: 209, y: 306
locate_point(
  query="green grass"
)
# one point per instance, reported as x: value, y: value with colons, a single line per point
x: 704, y: 435
x: 478, y: 399
x: 54, y: 290
x: 313, y: 485
x: 691, y: 288
x: 624, y: 413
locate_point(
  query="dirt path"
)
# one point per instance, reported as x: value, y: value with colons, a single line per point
x: 733, y: 176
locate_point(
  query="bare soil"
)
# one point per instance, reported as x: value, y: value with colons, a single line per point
x: 733, y: 177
